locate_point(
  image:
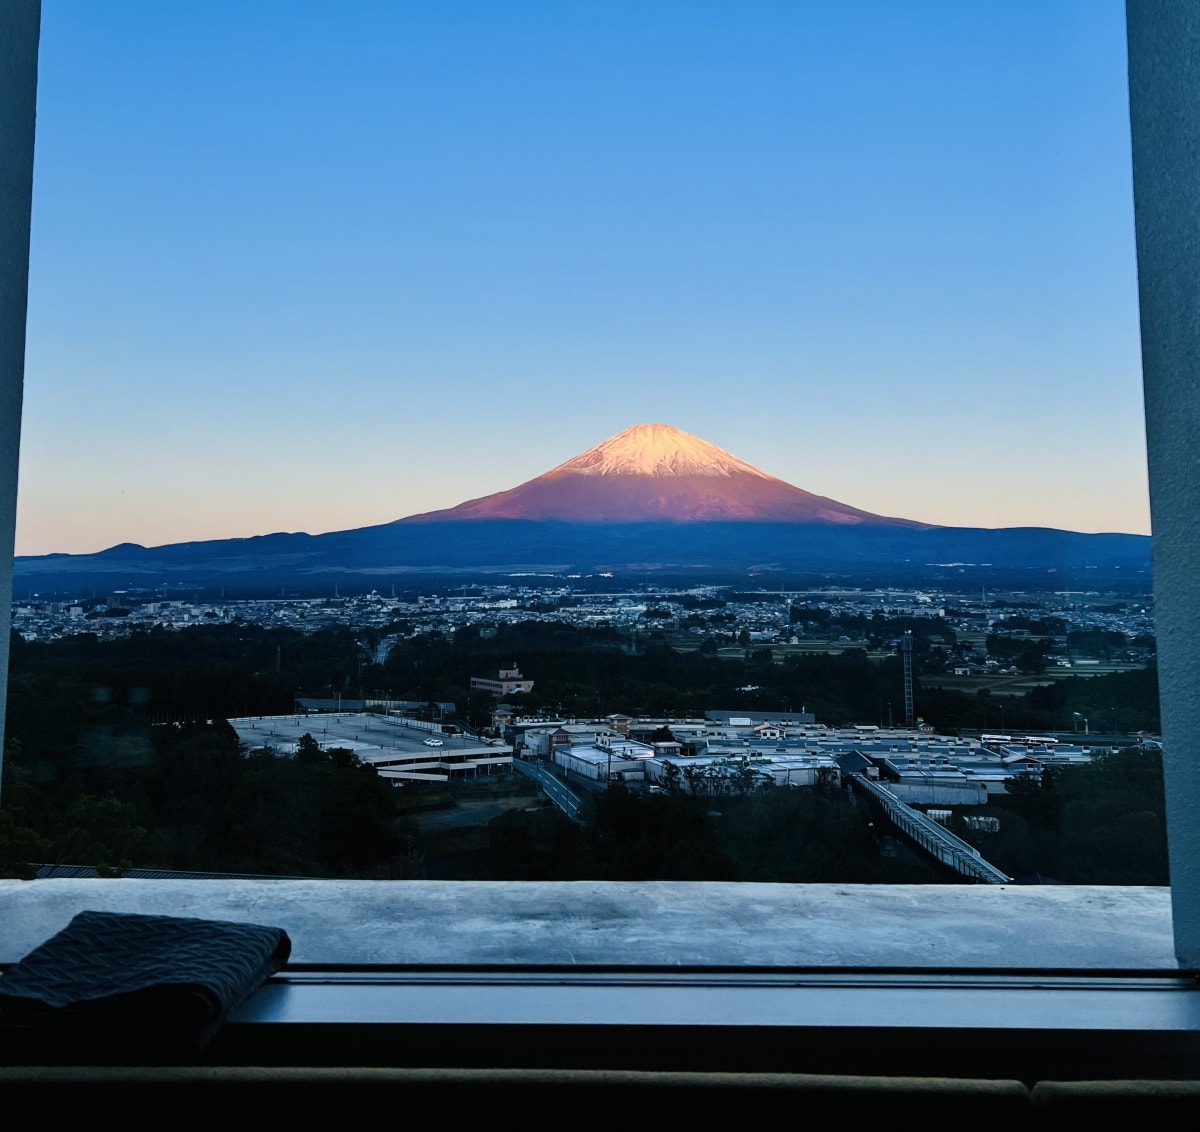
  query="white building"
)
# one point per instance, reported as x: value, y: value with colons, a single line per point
x: 609, y: 759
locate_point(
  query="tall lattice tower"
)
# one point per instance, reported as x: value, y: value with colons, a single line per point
x: 906, y: 647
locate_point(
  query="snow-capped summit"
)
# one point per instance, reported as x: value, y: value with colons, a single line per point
x: 656, y: 450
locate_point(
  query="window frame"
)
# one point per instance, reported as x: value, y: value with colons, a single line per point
x: 1164, y: 95
x: 1164, y: 52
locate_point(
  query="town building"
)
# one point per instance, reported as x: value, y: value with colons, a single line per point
x: 401, y: 750
x: 608, y: 760
x: 504, y: 683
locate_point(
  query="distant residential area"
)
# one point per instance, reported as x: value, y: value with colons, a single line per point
x: 982, y: 634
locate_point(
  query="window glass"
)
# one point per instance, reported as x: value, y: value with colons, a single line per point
x: 302, y: 268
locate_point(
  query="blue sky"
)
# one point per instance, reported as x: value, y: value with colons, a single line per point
x: 311, y: 266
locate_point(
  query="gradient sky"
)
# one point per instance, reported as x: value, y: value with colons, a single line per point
x: 312, y: 266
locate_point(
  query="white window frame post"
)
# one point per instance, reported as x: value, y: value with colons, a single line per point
x: 20, y: 23
x: 1164, y: 103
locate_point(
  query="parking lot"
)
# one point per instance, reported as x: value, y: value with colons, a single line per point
x: 372, y: 737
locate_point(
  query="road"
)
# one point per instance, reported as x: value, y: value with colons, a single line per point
x: 555, y: 790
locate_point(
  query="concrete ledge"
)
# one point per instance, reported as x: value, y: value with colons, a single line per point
x: 475, y: 923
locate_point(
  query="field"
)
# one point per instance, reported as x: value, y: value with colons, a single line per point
x: 1014, y: 685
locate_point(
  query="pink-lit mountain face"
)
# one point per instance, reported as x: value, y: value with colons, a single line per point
x: 655, y: 473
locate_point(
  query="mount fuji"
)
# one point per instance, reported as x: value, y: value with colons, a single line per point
x: 652, y: 499
x: 653, y: 473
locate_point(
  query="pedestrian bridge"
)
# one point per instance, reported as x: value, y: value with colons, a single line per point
x: 553, y: 787
x: 929, y: 836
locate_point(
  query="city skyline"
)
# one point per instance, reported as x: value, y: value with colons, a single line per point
x: 295, y: 268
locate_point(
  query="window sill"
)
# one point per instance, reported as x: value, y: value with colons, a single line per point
x: 651, y: 924
x: 968, y: 982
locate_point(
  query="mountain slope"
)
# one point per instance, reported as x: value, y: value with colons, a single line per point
x: 656, y: 473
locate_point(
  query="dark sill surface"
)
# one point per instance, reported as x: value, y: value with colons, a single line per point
x: 636, y: 999
x: 981, y: 1026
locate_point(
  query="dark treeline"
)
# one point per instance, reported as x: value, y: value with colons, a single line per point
x: 1117, y: 702
x: 1098, y: 824
x: 1120, y: 701
x: 224, y: 671
x: 93, y: 776
x: 206, y: 672
x: 186, y: 796
x: 798, y: 836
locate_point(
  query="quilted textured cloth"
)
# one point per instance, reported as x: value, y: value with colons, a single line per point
x: 159, y: 980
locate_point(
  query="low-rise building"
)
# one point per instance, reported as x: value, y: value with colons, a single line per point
x: 608, y: 760
x: 930, y: 781
x: 541, y: 742
x: 399, y: 749
x: 504, y: 683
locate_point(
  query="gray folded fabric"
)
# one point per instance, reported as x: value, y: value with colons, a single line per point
x: 150, y: 982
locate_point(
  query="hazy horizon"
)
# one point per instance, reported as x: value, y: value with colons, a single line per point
x: 298, y: 267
